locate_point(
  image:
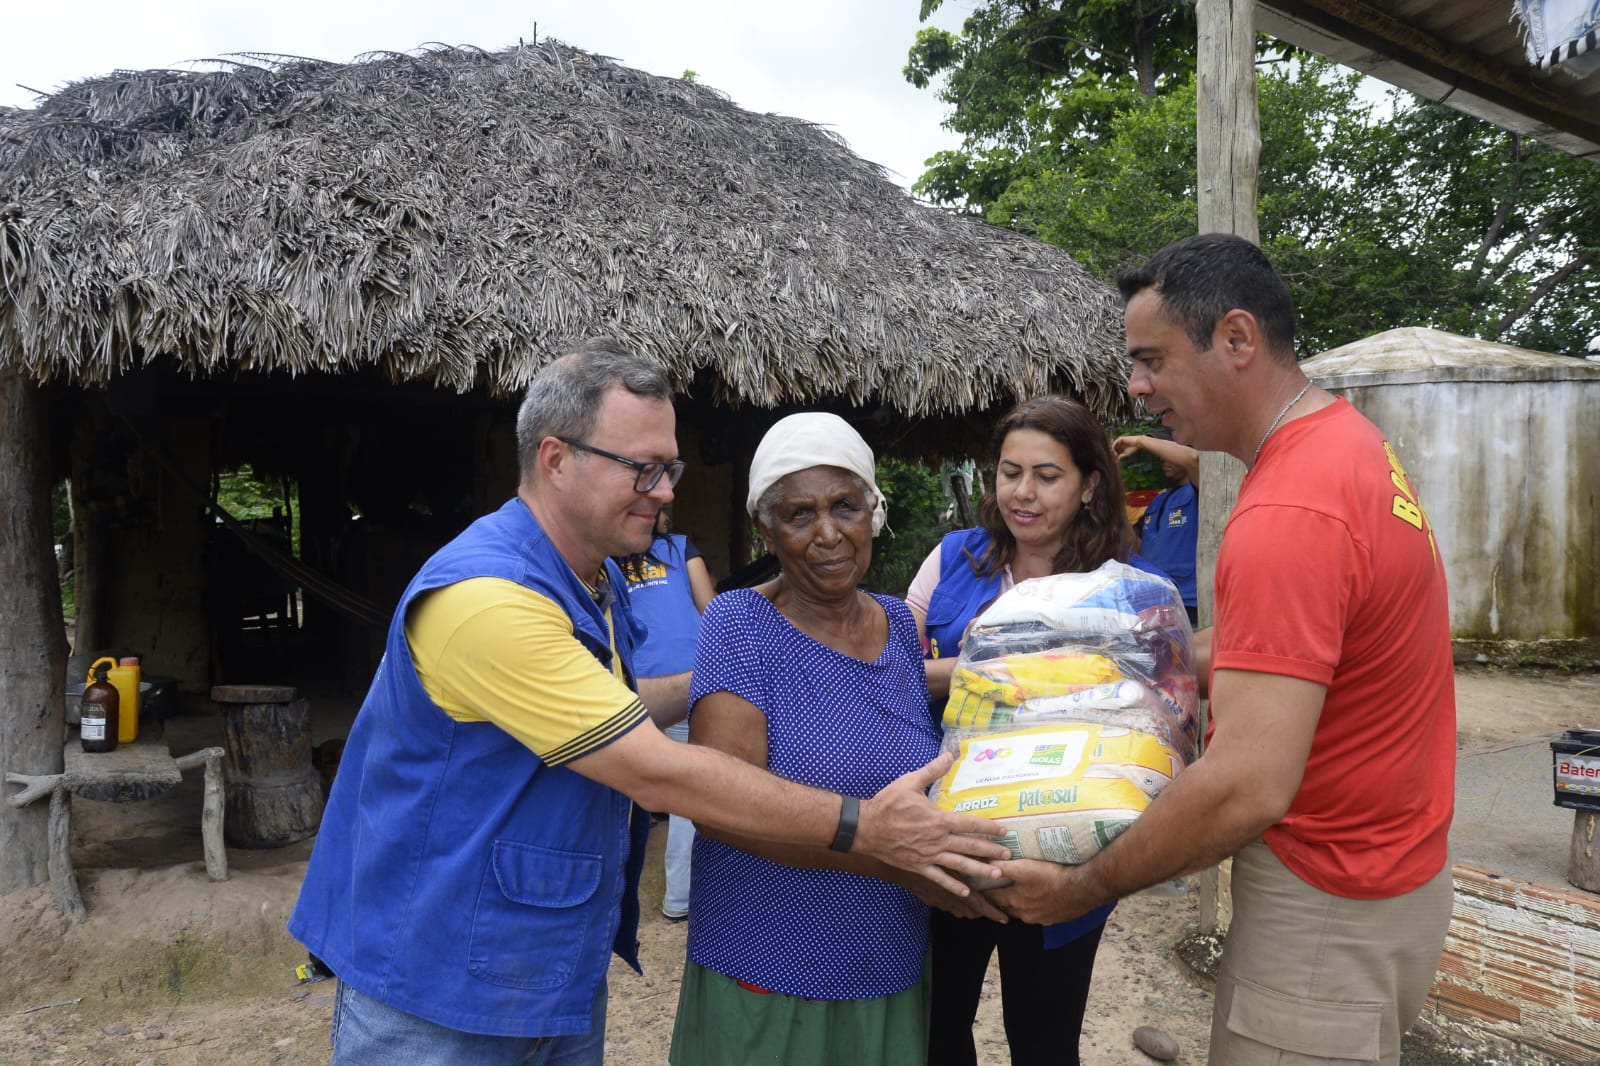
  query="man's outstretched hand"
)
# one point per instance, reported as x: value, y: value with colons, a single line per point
x: 901, y: 826
x: 1045, y: 893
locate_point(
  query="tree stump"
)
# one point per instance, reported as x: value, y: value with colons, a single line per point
x: 274, y: 794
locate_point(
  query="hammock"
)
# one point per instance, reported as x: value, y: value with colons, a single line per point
x: 347, y: 602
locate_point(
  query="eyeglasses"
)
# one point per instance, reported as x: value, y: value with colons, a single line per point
x: 647, y: 476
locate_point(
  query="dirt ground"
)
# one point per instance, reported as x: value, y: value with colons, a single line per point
x: 171, y: 969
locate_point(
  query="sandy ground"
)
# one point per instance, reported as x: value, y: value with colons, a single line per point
x: 171, y: 969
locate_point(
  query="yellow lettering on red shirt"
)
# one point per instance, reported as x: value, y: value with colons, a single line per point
x: 1406, y: 506
x: 1407, y: 511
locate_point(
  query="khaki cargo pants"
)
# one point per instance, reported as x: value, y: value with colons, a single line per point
x: 1307, y: 977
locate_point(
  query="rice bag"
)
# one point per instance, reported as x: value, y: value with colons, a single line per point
x: 1073, y: 704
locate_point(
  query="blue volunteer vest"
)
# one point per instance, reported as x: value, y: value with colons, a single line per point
x: 456, y: 876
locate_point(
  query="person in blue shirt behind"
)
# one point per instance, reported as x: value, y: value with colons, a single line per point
x: 1170, y: 527
x: 1056, y: 507
x: 668, y: 588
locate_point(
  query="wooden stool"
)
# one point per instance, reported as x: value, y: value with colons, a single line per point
x: 274, y: 792
x: 138, y: 771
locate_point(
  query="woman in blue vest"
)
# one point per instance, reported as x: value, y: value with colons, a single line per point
x: 668, y: 587
x: 1056, y: 506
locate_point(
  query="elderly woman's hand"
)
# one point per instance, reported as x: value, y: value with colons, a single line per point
x: 973, y: 906
x: 901, y: 827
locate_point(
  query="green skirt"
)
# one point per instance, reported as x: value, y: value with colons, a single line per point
x: 721, y: 1024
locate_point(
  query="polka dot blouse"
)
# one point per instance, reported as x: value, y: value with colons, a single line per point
x: 839, y: 724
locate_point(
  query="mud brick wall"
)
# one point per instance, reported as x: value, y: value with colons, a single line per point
x: 1522, y: 963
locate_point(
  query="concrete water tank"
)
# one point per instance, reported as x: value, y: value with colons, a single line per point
x: 1503, y: 446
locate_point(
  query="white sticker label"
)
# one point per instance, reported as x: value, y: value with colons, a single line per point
x: 1006, y: 759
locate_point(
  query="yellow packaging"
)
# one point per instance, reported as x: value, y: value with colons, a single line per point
x: 979, y: 697
x: 1062, y: 792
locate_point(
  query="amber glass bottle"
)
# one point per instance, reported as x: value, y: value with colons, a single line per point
x: 97, y: 715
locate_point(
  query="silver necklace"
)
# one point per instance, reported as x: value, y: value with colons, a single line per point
x: 1297, y: 398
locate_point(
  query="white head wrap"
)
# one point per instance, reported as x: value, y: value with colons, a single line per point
x: 800, y: 442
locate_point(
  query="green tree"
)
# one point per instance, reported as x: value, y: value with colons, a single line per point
x: 1030, y: 81
x: 256, y: 500
x: 917, y: 504
x: 1379, y: 215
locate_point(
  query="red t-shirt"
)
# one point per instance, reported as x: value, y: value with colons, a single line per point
x: 1328, y: 572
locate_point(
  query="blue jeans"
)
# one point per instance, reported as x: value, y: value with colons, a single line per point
x: 366, y: 1032
x: 680, y: 846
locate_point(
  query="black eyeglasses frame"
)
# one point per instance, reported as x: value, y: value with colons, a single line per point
x: 647, y: 474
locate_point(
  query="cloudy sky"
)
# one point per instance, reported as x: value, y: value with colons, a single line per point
x: 836, y: 62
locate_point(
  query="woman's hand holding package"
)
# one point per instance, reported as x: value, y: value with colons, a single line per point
x: 974, y: 906
x: 902, y: 828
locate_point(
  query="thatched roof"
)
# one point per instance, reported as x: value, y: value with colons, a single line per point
x: 456, y: 215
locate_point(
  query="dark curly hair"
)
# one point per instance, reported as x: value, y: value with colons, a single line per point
x: 1100, y: 530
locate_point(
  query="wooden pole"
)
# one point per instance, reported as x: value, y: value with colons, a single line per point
x: 965, y: 519
x: 1228, y: 129
x: 33, y: 644
x: 63, y: 879
x: 91, y: 536
x: 1583, y: 858
x: 211, y: 808
x: 1228, y: 152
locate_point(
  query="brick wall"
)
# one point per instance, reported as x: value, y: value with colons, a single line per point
x: 1522, y: 963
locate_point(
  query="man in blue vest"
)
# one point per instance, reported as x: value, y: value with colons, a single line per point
x: 478, y: 860
x: 1169, y: 530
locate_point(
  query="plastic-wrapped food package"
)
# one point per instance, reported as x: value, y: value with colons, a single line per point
x: 1072, y: 706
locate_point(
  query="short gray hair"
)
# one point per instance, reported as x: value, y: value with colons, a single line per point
x: 563, y: 399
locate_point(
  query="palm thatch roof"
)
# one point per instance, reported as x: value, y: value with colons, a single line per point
x: 456, y: 215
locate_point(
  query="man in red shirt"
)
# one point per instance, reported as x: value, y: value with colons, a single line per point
x: 1328, y: 775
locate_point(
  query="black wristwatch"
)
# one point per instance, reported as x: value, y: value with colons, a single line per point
x: 849, y: 816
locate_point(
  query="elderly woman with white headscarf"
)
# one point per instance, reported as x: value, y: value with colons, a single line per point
x: 806, y: 955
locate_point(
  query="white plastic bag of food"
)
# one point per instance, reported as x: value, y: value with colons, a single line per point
x: 1073, y: 704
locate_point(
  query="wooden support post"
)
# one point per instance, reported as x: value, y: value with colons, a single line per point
x: 1228, y: 124
x: 964, y: 516
x: 211, y: 809
x: 1227, y: 165
x: 1583, y: 862
x: 33, y: 647
x: 63, y: 879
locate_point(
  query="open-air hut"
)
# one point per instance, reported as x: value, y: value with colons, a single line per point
x: 343, y: 274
